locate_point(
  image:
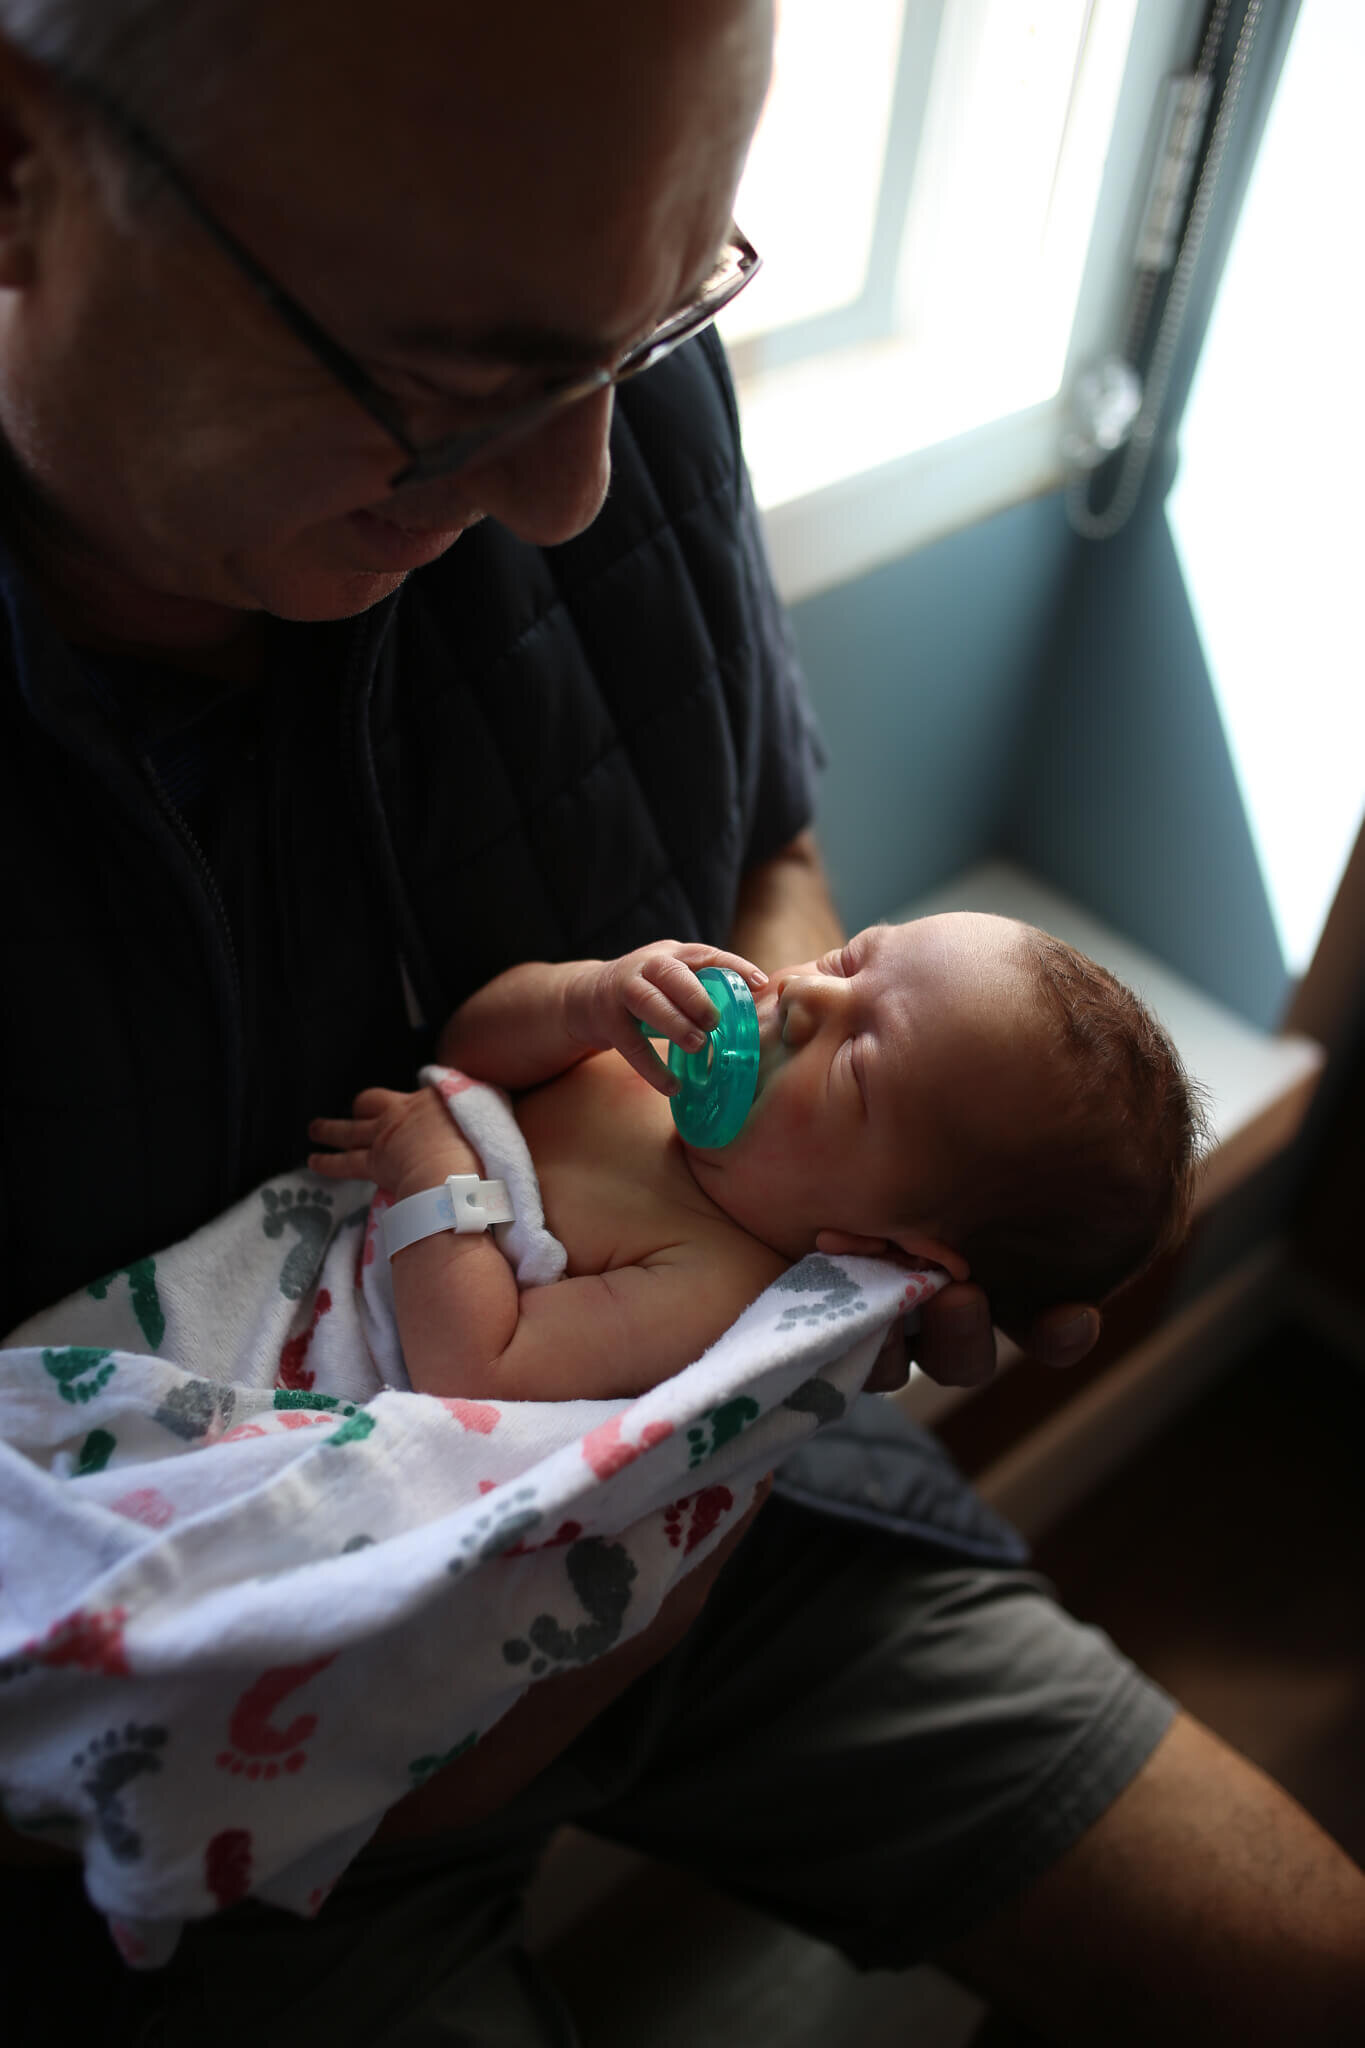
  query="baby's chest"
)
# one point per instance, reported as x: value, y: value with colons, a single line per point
x: 612, y: 1180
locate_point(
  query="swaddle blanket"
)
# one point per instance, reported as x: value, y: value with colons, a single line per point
x: 253, y: 1589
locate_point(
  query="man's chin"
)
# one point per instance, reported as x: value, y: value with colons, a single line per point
x: 293, y: 586
x: 312, y: 597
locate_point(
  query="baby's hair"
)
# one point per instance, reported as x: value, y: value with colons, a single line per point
x: 1078, y: 1214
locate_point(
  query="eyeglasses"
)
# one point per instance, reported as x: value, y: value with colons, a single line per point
x: 738, y: 263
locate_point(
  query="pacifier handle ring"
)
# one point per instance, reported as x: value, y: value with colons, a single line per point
x: 718, y: 1081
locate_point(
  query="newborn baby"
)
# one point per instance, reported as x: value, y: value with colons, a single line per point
x: 962, y: 1090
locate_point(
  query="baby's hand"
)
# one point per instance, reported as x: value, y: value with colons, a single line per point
x: 606, y: 1001
x: 404, y: 1143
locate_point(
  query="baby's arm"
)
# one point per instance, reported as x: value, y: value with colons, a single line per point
x: 455, y: 1297
x: 464, y: 1326
x: 539, y: 1019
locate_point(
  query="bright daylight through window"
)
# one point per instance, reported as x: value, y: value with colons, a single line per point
x: 923, y: 189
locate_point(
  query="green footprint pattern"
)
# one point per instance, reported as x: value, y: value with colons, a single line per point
x: 356, y: 1423
x: 705, y: 1438
x: 80, y: 1371
x: 141, y: 1276
x: 308, y: 1211
x: 423, y: 1767
x: 95, y: 1452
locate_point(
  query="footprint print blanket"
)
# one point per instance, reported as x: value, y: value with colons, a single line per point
x: 254, y: 1589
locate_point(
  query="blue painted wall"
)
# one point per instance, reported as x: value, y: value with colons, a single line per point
x: 1011, y: 690
x: 1126, y: 796
x: 924, y: 674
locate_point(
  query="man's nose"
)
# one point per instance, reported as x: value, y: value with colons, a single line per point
x: 549, y: 486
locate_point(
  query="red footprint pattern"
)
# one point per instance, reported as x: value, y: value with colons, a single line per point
x: 605, y: 1452
x: 705, y: 1509
x: 227, y: 1865
x: 259, y: 1748
x: 294, y: 1351
x: 93, y: 1641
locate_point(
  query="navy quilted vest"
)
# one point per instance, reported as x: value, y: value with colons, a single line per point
x: 548, y: 753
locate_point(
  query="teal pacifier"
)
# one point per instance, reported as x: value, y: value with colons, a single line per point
x: 719, y: 1079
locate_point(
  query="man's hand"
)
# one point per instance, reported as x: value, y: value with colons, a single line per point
x: 955, y: 1343
x: 606, y: 1002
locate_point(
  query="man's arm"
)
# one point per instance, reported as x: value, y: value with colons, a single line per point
x: 785, y: 911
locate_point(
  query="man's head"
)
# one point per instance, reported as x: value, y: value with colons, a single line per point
x: 471, y: 200
x: 975, y: 1092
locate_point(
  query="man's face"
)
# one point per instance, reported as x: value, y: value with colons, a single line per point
x: 488, y: 199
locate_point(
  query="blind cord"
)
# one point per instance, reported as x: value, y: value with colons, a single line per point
x: 1137, y: 453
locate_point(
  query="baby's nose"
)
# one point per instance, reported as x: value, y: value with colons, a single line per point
x: 804, y: 1000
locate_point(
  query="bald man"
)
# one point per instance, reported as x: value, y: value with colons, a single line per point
x: 336, y: 682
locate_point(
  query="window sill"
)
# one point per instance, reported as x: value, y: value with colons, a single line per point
x: 827, y: 520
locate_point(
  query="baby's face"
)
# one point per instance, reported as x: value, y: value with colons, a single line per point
x: 878, y: 1063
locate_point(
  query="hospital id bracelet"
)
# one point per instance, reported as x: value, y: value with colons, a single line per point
x: 462, y: 1203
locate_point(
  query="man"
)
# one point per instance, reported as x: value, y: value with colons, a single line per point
x: 268, y: 848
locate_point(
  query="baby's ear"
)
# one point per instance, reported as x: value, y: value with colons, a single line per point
x: 920, y: 1245
x: 840, y: 1242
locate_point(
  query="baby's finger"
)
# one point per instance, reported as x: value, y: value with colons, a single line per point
x: 376, y: 1102
x: 637, y: 1052
x: 341, y: 1165
x: 677, y: 983
x: 755, y: 976
x: 344, y: 1132
x: 662, y: 1017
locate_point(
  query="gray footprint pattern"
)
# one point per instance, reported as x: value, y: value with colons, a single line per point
x: 818, y: 1398
x: 192, y: 1409
x: 505, y: 1523
x: 309, y: 1212
x: 601, y: 1574
x: 113, y: 1761
x: 838, y: 1295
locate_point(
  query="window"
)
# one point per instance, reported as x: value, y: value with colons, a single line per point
x: 1265, y: 510
x: 945, y: 194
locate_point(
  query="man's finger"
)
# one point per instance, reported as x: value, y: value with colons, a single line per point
x: 840, y: 1242
x: 956, y: 1344
x: 892, y: 1367
x: 1062, y: 1336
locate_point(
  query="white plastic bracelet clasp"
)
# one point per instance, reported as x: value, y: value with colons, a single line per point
x: 462, y: 1203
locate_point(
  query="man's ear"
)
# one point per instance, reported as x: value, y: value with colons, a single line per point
x: 921, y: 1245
